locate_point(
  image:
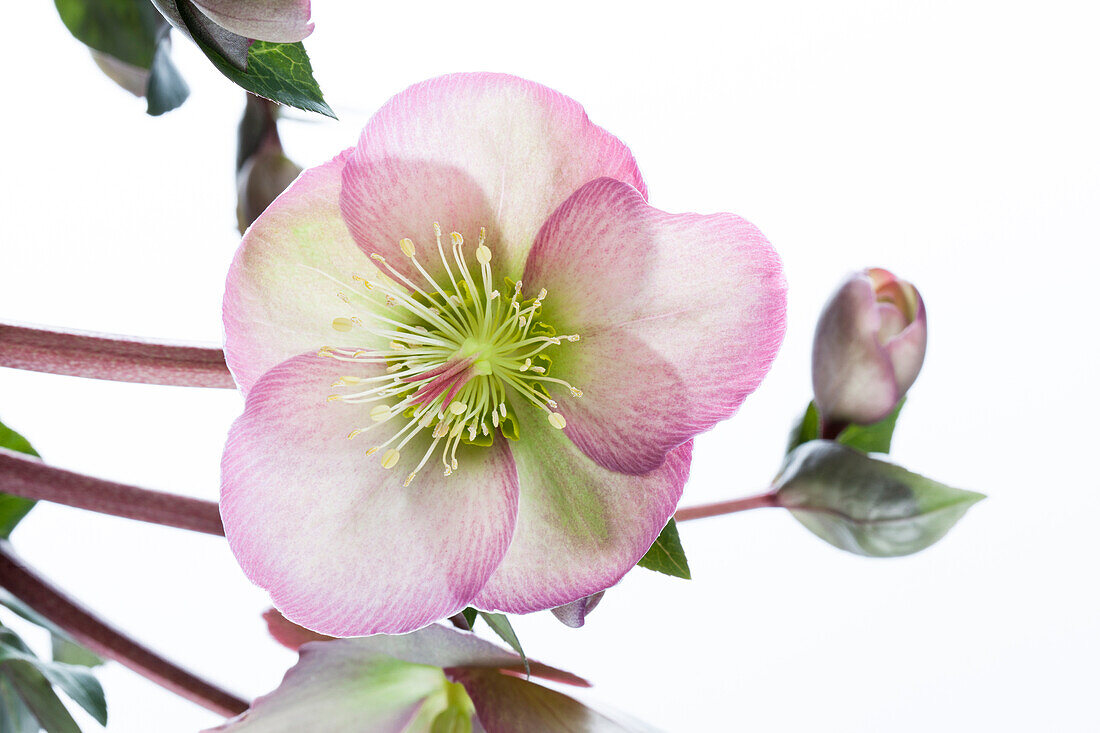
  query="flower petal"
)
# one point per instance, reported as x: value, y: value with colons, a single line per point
x: 523, y: 147
x: 279, y: 21
x: 506, y: 704
x: 573, y: 614
x: 581, y: 527
x: 280, y: 298
x: 340, y: 686
x: 342, y: 546
x: 679, y: 315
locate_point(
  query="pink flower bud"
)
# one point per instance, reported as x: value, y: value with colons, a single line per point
x: 868, y: 348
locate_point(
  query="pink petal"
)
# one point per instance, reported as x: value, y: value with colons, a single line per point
x: 278, y: 300
x: 507, y: 150
x: 288, y: 633
x: 279, y: 21
x: 581, y: 527
x: 340, y: 544
x: 506, y: 704
x: 679, y: 317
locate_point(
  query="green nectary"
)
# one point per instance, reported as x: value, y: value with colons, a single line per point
x: 459, y: 351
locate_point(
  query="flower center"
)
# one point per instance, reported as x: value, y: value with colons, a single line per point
x: 458, y: 352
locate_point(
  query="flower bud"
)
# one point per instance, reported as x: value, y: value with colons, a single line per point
x: 262, y: 178
x: 868, y: 348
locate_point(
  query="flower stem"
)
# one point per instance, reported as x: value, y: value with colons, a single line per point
x: 29, y: 477
x: 98, y: 356
x: 106, y: 641
x: 726, y: 507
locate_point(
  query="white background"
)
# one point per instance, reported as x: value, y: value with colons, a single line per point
x: 957, y: 144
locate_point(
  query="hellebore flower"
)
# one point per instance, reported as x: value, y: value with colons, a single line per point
x: 868, y: 348
x: 413, y: 323
x: 431, y: 680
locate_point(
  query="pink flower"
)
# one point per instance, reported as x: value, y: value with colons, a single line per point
x: 868, y: 348
x: 384, y: 351
x: 434, y: 679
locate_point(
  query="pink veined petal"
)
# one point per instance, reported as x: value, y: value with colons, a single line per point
x: 581, y: 527
x: 281, y: 293
x: 279, y: 21
x: 341, y: 545
x: 679, y: 315
x: 517, y: 148
x: 506, y: 704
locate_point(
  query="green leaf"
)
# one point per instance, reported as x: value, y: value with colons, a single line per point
x: 125, y: 29
x: 75, y: 681
x: 470, y: 614
x: 874, y: 438
x: 666, y: 555
x: 13, y: 508
x: 277, y: 71
x: 500, y: 624
x: 866, y: 506
x: 67, y: 651
x: 37, y: 695
x: 166, y: 89
x: 806, y: 429
x: 15, y: 717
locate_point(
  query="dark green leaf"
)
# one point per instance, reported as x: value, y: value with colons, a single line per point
x: 470, y: 614
x: 874, y: 438
x: 806, y: 429
x: 277, y: 71
x: 76, y: 682
x: 38, y: 696
x: 500, y: 624
x: 13, y: 508
x: 125, y: 29
x: 166, y: 89
x: 15, y: 717
x: 866, y: 506
x: 666, y: 555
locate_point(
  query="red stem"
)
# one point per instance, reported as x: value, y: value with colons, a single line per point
x: 106, y: 641
x: 726, y: 507
x: 29, y: 477
x: 118, y: 358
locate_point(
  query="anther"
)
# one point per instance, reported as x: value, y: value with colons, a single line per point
x: 483, y: 254
x: 409, y: 478
x: 457, y: 407
x: 353, y: 433
x: 542, y: 294
x: 481, y: 236
x: 556, y: 419
x: 372, y: 451
x: 380, y: 412
x: 438, y: 229
x: 377, y: 257
x: 343, y: 297
x: 333, y: 397
x: 390, y: 458
x: 456, y: 239
x: 343, y: 325
x: 575, y: 392
x: 407, y: 247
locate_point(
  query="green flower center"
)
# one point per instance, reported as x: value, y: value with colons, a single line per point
x: 458, y: 352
